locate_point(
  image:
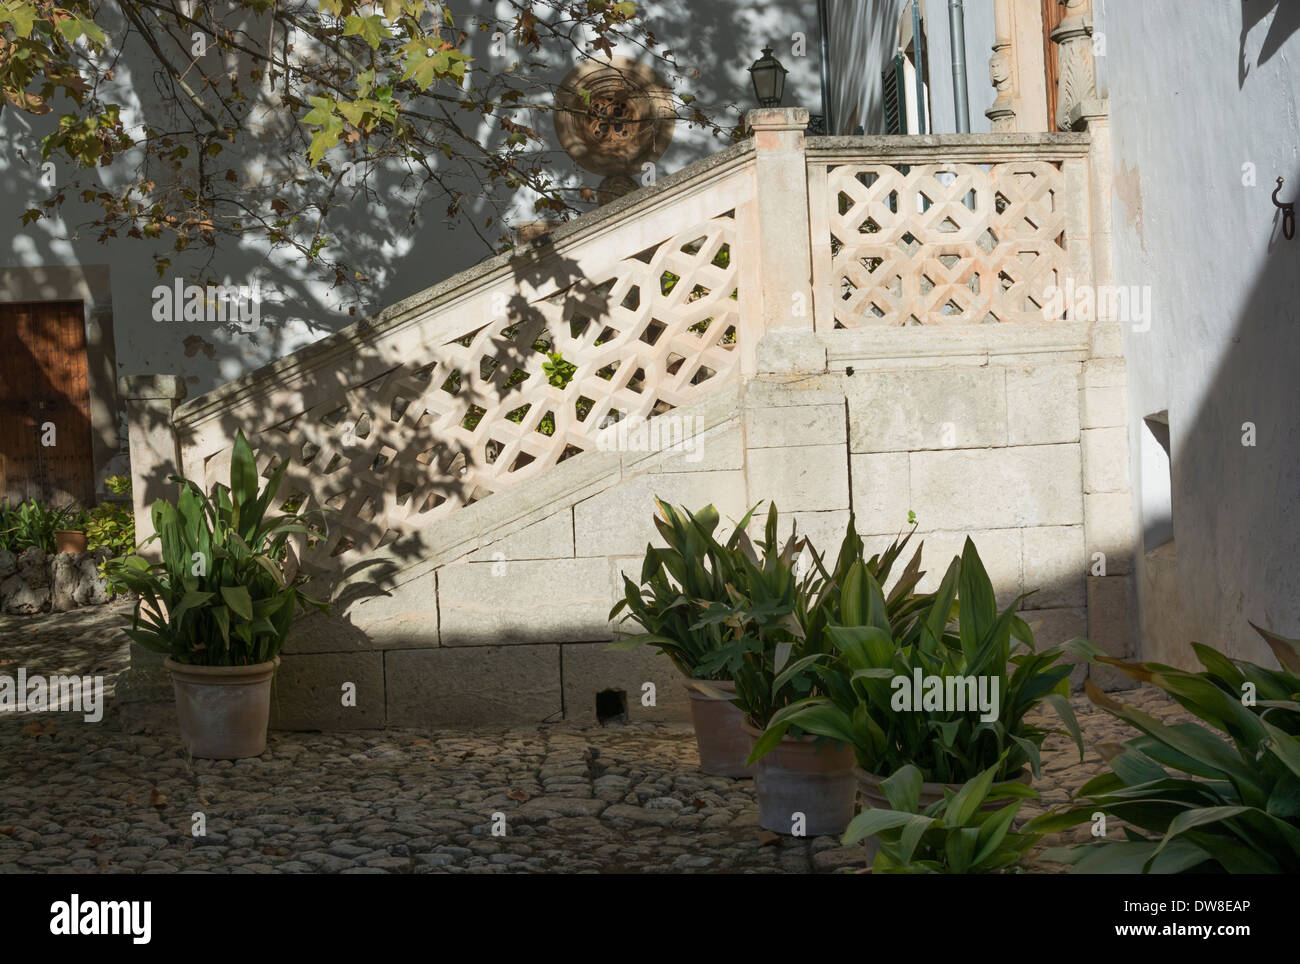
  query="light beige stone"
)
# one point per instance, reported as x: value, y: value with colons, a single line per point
x: 791, y: 350
x: 620, y: 521
x: 548, y: 539
x: 1109, y: 528
x: 403, y: 616
x: 309, y: 691
x: 997, y: 488
x: 804, y: 478
x: 1043, y: 405
x: 483, y: 686
x: 1103, y: 394
x: 801, y: 425
x: 492, y: 603
x: 999, y: 551
x: 905, y: 411
x: 1105, y: 459
x: 590, y: 668
x: 1055, y: 566
x: 882, y: 491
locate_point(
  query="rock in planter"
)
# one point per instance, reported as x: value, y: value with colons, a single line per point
x: 92, y: 588
x: 64, y: 580
x: 18, y: 598
x: 32, y: 567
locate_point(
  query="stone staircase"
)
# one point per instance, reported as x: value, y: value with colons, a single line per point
x: 834, y: 324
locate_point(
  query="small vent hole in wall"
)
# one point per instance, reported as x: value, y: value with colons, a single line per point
x: 611, y: 707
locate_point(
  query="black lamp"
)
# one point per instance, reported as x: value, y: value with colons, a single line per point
x: 768, y: 77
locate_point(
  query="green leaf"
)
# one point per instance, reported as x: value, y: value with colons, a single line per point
x: 238, y: 600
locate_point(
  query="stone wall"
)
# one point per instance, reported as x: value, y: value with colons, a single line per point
x: 34, y: 581
x: 505, y: 619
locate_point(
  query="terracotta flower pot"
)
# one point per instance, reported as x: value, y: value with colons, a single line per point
x: 799, y: 776
x: 69, y: 540
x: 223, y: 711
x: 872, y: 794
x: 723, y: 746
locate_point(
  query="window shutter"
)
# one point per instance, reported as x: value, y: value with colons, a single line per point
x: 894, y: 92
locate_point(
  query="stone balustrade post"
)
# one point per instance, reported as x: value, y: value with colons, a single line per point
x: 784, y: 261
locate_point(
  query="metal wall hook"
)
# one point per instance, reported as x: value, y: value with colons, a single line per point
x: 1288, y: 213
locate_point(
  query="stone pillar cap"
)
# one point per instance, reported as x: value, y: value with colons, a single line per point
x: 777, y: 119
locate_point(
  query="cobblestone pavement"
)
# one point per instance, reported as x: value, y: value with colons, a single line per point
x: 119, y: 796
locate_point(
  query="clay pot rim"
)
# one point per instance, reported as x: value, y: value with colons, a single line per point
x: 807, y: 738
x: 727, y: 686
x: 252, y: 673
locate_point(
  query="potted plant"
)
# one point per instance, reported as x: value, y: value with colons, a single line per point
x: 804, y: 781
x: 877, y: 663
x: 678, y: 584
x: 1214, y: 798
x: 219, y: 604
x: 70, y: 531
x: 966, y: 831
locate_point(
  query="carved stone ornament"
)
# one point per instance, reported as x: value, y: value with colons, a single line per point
x: 613, y: 116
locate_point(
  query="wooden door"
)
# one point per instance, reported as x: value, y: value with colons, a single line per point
x: 1053, y: 13
x: 45, y: 398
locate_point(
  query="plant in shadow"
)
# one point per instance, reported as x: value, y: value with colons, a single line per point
x: 871, y: 658
x: 959, y: 834
x: 227, y: 588
x: 1222, y: 796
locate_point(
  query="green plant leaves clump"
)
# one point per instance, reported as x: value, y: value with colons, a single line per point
x: 226, y: 590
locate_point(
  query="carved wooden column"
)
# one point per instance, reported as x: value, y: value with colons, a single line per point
x: 1077, y: 101
x: 1016, y: 68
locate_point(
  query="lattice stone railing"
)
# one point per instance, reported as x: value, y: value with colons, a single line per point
x: 487, y: 385
x: 925, y: 237
x: 496, y: 375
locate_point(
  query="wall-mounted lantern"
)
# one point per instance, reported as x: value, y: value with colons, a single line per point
x: 768, y: 77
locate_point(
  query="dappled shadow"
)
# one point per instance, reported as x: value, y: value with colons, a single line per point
x: 1285, y: 21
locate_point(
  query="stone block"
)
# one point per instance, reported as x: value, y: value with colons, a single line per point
x: 1053, y: 627
x: 780, y: 391
x: 620, y: 521
x: 1105, y: 459
x: 788, y: 350
x: 1103, y: 394
x: 1032, y: 485
x: 804, y: 478
x: 938, y: 408
x: 550, y: 538
x: 795, y: 425
x: 479, y: 686
x: 404, y: 616
x: 882, y: 491
x: 309, y: 690
x: 1042, y: 405
x: 1112, y: 618
x: 1109, y: 528
x: 491, y: 603
x: 1055, y: 566
x: 999, y: 550
x: 590, y: 668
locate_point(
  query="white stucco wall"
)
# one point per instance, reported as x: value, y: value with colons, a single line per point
x: 719, y: 39
x: 1198, y: 90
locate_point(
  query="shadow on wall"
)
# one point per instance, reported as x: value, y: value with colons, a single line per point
x: 1236, y: 460
x: 1285, y: 22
